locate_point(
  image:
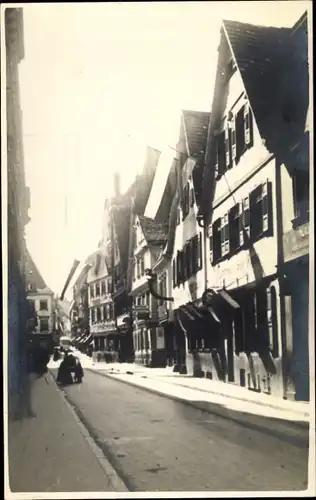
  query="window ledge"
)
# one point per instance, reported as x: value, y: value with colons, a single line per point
x: 300, y: 220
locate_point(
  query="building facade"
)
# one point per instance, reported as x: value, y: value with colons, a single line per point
x: 18, y: 203
x: 248, y: 139
x: 101, y: 309
x: 148, y: 241
x: 42, y: 299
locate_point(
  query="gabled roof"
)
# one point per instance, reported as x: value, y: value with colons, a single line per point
x: 195, y: 128
x: 267, y: 62
x: 273, y: 67
x: 154, y: 233
x: 32, y: 275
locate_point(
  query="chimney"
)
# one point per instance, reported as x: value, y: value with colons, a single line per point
x: 116, y: 184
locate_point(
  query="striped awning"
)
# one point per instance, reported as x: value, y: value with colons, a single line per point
x: 87, y: 339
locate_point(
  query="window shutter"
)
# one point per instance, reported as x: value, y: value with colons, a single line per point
x: 191, y: 197
x: 246, y: 216
x: 227, y: 146
x: 241, y: 224
x: 216, y: 160
x: 267, y: 218
x: 199, y: 252
x: 174, y: 274
x: 189, y: 258
x: 184, y: 260
x: 211, y: 245
x: 178, y: 269
x: 224, y: 235
x: 248, y: 125
x: 233, y: 137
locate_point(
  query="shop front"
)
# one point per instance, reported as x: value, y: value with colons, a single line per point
x: 124, y: 324
x: 106, y: 342
x: 144, y: 335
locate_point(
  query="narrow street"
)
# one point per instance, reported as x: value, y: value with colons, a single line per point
x: 156, y: 444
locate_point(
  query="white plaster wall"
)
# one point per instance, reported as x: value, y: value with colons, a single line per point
x: 237, y: 270
x: 252, y: 157
x: 185, y: 231
x: 287, y: 199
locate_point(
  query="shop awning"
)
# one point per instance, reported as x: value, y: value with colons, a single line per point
x: 87, y: 339
x: 229, y: 299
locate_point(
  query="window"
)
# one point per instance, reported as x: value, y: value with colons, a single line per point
x: 138, y: 268
x: 301, y: 193
x: 44, y: 325
x: 261, y: 211
x: 98, y: 314
x: 240, y: 134
x: 104, y: 313
x: 248, y: 125
x: 233, y: 137
x: 244, y: 229
x: 228, y: 154
x: 103, y: 288
x: 147, y: 299
x: 92, y: 315
x: 186, y: 201
x: 92, y: 291
x: 43, y: 305
x: 139, y: 300
x: 217, y: 240
x: 192, y: 197
x: 234, y: 223
x: 142, y: 266
x: 224, y: 235
x: 272, y: 321
x: 220, y: 165
x: 97, y: 290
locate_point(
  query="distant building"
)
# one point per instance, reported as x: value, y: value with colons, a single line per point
x: 101, y: 308
x: 42, y: 298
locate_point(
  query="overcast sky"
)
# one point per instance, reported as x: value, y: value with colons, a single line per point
x: 98, y: 82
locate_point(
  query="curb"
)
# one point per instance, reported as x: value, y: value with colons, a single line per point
x: 116, y: 482
x: 268, y: 405
x: 243, y: 420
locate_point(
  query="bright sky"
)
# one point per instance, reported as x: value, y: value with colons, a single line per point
x: 98, y: 82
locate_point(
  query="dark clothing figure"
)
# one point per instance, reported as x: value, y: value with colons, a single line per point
x: 64, y: 376
x: 78, y: 372
x: 39, y: 359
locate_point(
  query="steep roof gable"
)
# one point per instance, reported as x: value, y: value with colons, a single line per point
x: 195, y: 129
x: 264, y: 57
x: 33, y: 277
x: 154, y: 232
x: 145, y: 180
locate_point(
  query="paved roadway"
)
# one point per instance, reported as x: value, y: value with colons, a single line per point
x: 156, y: 444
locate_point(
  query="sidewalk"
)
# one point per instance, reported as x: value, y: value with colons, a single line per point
x: 50, y: 452
x: 202, y: 390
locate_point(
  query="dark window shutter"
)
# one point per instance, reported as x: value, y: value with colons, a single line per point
x: 216, y: 156
x: 240, y: 134
x: 272, y: 321
x: 227, y: 146
x: 184, y: 261
x: 191, y: 197
x: 267, y: 215
x: 200, y: 252
x: 211, y: 245
x: 174, y: 274
x: 248, y: 124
